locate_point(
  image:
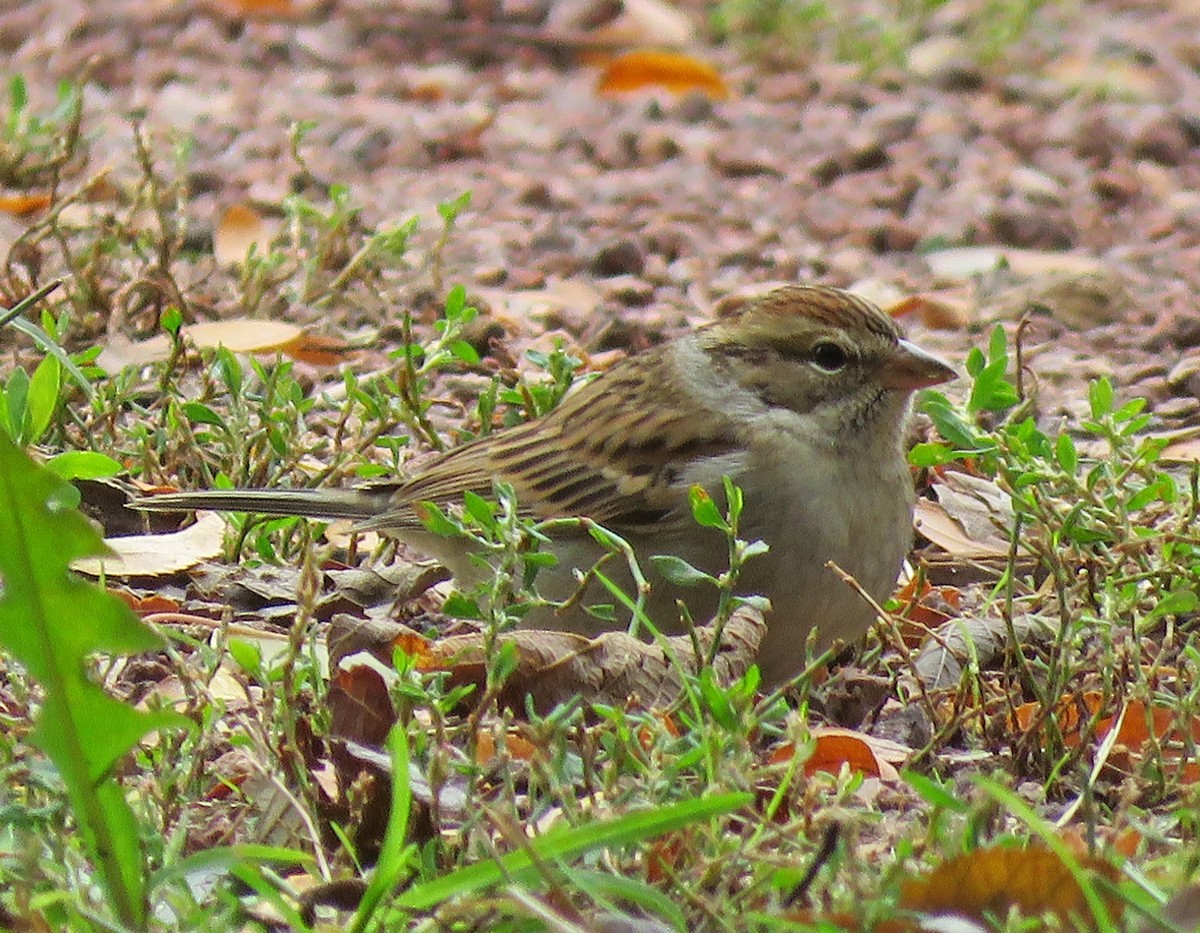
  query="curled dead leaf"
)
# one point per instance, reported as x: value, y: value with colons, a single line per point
x: 360, y: 705
x: 640, y: 22
x: 970, y: 519
x: 316, y: 350
x: 516, y: 747
x: 924, y: 608
x: 22, y: 204
x: 934, y: 311
x: 975, y: 640
x: 1081, y: 299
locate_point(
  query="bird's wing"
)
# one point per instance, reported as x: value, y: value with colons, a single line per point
x: 614, y: 451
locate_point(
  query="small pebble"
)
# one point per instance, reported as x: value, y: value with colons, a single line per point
x: 1177, y: 409
x: 620, y: 257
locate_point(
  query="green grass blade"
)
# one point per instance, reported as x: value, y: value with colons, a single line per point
x: 392, y: 860
x: 566, y: 843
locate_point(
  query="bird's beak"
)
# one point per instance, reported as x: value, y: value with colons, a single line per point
x: 911, y: 368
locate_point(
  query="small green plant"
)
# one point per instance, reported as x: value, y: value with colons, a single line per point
x: 1111, y: 528
x: 869, y: 34
x: 707, y: 514
x: 529, y: 399
x: 28, y: 403
x: 516, y: 547
x: 789, y: 23
x: 404, y: 394
x: 34, y: 149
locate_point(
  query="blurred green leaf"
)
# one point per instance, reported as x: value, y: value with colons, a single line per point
x: 83, y: 464
x: 84, y: 731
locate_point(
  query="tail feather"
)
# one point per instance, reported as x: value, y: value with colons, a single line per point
x: 310, y: 503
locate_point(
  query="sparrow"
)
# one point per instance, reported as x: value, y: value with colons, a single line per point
x: 800, y: 396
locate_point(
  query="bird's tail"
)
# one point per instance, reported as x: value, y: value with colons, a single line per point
x: 310, y: 503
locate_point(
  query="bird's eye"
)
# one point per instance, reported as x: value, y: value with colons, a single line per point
x: 829, y: 356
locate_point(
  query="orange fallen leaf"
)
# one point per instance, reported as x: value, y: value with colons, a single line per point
x: 925, y: 608
x: 836, y: 747
x: 153, y: 602
x: 1136, y: 727
x: 673, y: 71
x: 990, y: 881
x: 1127, y: 842
x: 420, y: 649
x: 935, y: 312
x: 518, y: 747
x: 662, y: 858
x: 20, y: 205
x: 258, y: 9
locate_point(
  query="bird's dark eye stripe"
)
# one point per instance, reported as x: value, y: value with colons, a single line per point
x: 735, y: 351
x: 827, y: 354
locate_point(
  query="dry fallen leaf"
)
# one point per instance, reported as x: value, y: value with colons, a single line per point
x: 515, y: 309
x: 223, y: 685
x: 962, y: 263
x: 643, y: 22
x: 157, y: 555
x: 925, y: 608
x: 977, y: 641
x: 1181, y: 450
x: 240, y: 228
x: 969, y: 519
x: 1081, y: 299
x: 360, y: 705
x: 990, y: 881
x: 21, y: 205
x: 317, y: 350
x: 148, y: 604
x: 554, y: 666
x: 939, y: 312
x: 1137, y: 725
x: 932, y: 521
x: 241, y: 335
x: 673, y: 71
x: 518, y: 747
x: 836, y: 747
